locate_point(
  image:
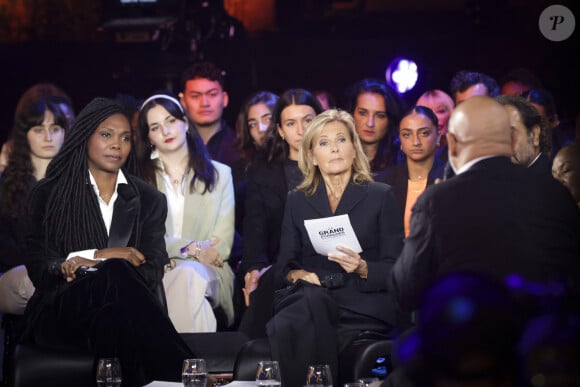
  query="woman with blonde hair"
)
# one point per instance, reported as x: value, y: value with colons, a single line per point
x: 333, y: 298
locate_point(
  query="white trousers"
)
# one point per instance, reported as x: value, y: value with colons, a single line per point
x: 15, y: 290
x: 191, y: 288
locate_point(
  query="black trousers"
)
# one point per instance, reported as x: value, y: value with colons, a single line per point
x: 309, y: 327
x: 260, y: 311
x: 112, y: 313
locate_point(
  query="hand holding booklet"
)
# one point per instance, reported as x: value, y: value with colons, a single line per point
x: 327, y: 233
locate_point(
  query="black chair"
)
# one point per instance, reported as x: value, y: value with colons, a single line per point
x: 362, y: 354
x: 12, y: 326
x: 355, y: 362
x: 248, y: 357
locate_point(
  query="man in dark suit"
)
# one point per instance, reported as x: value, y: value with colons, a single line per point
x: 529, y: 134
x: 493, y: 217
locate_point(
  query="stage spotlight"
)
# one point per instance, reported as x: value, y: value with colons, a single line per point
x: 402, y: 74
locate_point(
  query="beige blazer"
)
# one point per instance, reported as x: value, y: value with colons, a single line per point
x: 205, y: 217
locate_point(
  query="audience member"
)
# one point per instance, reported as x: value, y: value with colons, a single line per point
x: 419, y: 136
x: 37, y: 136
x: 253, y: 124
x: 442, y: 105
x: 274, y: 173
x: 518, y: 81
x: 559, y: 134
x: 529, y: 134
x: 377, y: 110
x: 466, y: 84
x: 566, y: 168
x: 204, y: 98
x: 37, y: 92
x: 494, y: 217
x: 89, y: 213
x: 252, y: 128
x: 334, y: 297
x: 200, y: 222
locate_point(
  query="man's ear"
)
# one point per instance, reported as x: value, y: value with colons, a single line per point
x: 451, y: 144
x: 181, y: 96
x: 536, y: 135
x: 226, y: 99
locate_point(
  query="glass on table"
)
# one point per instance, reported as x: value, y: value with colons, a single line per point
x: 194, y: 373
x: 109, y: 372
x: 319, y: 375
x: 268, y: 374
x: 366, y: 382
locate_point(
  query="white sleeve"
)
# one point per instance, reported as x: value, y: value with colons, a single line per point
x: 88, y: 254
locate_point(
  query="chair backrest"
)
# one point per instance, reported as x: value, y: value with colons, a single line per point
x: 160, y: 294
x: 248, y: 357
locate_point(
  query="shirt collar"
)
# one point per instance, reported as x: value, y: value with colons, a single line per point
x: 534, y: 160
x: 121, y: 179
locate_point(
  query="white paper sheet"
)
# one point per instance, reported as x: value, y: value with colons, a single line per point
x: 327, y: 233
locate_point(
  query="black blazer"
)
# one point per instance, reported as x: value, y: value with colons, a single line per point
x: 375, y: 218
x: 264, y: 208
x: 496, y: 218
x: 138, y: 221
x: 397, y: 177
x: 542, y: 165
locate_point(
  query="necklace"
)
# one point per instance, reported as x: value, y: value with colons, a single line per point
x: 417, y: 178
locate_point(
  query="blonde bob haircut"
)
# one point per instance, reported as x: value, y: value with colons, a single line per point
x: 312, y: 175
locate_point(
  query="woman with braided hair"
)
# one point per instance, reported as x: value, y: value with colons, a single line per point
x: 96, y: 253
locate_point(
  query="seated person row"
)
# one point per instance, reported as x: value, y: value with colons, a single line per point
x: 200, y: 221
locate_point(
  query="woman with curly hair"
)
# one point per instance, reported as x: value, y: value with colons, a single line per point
x: 37, y: 136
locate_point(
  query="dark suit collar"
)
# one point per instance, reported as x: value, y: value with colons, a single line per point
x: 542, y: 164
x: 124, y: 214
x: 352, y: 195
x: 491, y: 162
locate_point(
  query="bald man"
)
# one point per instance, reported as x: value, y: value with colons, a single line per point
x: 493, y: 217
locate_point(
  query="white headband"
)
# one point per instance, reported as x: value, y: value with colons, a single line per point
x: 162, y: 96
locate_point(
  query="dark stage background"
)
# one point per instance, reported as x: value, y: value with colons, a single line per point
x: 311, y: 44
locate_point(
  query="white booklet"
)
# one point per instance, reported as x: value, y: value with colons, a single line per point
x: 327, y: 233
